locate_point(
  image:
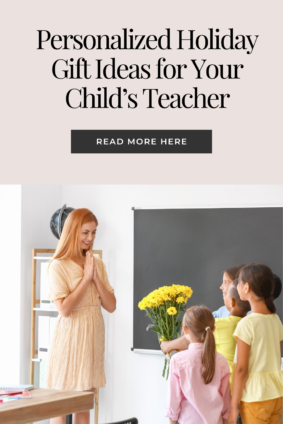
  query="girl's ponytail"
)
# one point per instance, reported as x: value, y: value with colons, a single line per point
x: 270, y: 305
x: 200, y: 321
x: 208, y: 356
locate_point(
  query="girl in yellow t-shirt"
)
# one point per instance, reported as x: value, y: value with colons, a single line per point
x: 225, y: 327
x: 258, y: 379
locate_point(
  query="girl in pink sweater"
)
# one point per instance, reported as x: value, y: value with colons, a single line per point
x: 199, y: 390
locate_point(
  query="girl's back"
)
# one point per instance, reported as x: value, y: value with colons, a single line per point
x: 263, y: 333
x: 257, y: 380
x: 200, y: 403
x: 199, y: 391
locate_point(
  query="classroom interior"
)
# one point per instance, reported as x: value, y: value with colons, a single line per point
x: 134, y: 385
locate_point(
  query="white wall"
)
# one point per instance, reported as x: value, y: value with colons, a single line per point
x: 10, y: 287
x: 39, y: 202
x: 135, y: 386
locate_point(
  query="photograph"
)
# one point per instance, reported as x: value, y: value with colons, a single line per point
x: 130, y: 295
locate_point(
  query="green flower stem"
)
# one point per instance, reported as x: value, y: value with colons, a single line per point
x: 167, y: 372
x: 166, y: 315
x: 173, y: 326
x: 164, y: 368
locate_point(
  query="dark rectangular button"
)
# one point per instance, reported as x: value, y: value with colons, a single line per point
x: 141, y: 141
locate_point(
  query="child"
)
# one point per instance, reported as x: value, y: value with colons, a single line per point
x: 225, y: 327
x: 223, y: 311
x: 181, y: 343
x: 199, y: 377
x: 258, y: 379
x: 229, y: 275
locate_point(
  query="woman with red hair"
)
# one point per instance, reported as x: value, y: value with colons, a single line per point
x: 79, y: 286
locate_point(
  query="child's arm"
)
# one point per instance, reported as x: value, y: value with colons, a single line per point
x: 240, y: 378
x: 225, y: 393
x: 178, y: 344
x: 174, y: 396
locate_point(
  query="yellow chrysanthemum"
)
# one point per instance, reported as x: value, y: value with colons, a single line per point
x: 181, y: 299
x: 161, y: 340
x: 164, y: 294
x: 171, y: 311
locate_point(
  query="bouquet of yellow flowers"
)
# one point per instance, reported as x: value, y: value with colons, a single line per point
x: 164, y: 306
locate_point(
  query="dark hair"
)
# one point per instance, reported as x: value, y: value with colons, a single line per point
x: 200, y: 321
x: 243, y: 305
x: 234, y: 271
x: 278, y: 286
x: 261, y: 281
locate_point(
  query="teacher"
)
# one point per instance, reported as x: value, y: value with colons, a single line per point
x: 79, y: 286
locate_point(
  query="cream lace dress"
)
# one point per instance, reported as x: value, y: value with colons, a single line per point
x: 76, y: 357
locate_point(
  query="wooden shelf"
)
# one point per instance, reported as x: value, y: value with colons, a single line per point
x: 47, y: 258
x: 45, y: 310
x: 36, y: 256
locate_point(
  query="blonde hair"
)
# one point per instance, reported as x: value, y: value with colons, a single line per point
x: 68, y: 245
x: 200, y: 321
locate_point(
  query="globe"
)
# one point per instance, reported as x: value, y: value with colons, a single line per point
x: 58, y: 220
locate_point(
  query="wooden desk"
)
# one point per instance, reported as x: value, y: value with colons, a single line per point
x: 44, y: 404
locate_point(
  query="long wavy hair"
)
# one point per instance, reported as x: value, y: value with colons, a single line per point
x: 68, y: 245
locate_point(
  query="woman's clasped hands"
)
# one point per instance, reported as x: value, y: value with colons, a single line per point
x: 90, y: 270
x: 89, y: 266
